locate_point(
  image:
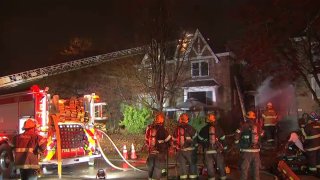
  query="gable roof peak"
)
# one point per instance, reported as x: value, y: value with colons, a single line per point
x: 200, y: 47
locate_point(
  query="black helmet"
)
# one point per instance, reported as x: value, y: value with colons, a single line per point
x: 314, y: 116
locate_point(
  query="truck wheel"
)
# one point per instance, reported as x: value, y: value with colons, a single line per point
x: 6, y: 160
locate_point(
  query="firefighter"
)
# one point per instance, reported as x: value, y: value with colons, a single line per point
x: 296, y: 136
x: 27, y: 148
x: 247, y: 137
x: 303, y: 120
x: 311, y: 133
x: 212, y: 139
x: 270, y: 120
x: 185, y: 142
x: 158, y: 140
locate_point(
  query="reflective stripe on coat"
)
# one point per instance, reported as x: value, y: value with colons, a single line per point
x: 270, y: 117
x: 27, y: 146
x: 311, y: 133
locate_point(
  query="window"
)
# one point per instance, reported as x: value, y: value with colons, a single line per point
x: 204, y: 97
x: 199, y: 69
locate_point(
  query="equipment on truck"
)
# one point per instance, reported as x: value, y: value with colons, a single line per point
x: 73, y: 117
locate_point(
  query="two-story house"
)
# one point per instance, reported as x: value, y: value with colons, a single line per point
x: 210, y: 73
x: 208, y: 76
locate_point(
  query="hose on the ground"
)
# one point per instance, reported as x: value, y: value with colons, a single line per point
x: 116, y: 148
x: 108, y: 161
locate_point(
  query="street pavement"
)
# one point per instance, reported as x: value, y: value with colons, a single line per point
x: 84, y: 171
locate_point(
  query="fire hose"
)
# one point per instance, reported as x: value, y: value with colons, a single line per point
x: 108, y: 161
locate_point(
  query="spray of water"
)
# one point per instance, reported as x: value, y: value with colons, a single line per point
x: 283, y: 99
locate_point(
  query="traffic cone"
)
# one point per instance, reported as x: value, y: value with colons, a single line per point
x: 125, y: 152
x: 133, y: 154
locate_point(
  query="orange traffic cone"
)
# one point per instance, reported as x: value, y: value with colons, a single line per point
x: 125, y: 152
x: 133, y: 154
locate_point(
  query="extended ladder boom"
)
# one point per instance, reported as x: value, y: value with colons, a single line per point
x: 240, y: 98
x: 27, y: 76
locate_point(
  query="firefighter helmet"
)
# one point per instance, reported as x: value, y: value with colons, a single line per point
x: 314, y: 116
x: 159, y: 118
x: 30, y: 123
x: 251, y: 115
x: 184, y: 118
x: 211, y: 118
x: 269, y: 105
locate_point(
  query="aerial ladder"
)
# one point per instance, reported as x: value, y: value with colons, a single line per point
x: 39, y: 73
x: 35, y: 74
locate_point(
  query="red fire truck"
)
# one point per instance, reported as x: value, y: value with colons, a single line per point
x: 16, y: 108
x: 75, y: 123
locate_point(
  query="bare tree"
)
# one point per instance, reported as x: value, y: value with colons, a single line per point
x: 161, y: 73
x: 280, y: 39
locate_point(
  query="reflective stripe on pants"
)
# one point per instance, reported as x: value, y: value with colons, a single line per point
x: 313, y: 159
x: 250, y: 161
x: 212, y: 160
x: 155, y: 164
x: 185, y: 158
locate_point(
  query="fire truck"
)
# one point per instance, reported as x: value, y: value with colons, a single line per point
x: 73, y: 119
x: 77, y: 133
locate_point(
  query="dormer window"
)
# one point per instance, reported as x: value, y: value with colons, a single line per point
x: 199, y: 69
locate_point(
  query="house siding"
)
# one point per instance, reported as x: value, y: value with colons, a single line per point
x: 304, y: 99
x: 221, y: 73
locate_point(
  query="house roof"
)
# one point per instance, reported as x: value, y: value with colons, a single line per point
x: 196, y: 46
x: 199, y: 47
x: 198, y: 83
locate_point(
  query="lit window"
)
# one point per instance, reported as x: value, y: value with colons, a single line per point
x: 199, y: 69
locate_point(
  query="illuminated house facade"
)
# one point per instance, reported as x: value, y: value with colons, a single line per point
x: 207, y: 73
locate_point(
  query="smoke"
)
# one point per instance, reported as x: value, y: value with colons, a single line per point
x: 265, y: 93
x: 282, y: 96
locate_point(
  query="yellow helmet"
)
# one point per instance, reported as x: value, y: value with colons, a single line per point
x: 211, y: 117
x: 184, y: 118
x: 159, y: 118
x: 251, y: 115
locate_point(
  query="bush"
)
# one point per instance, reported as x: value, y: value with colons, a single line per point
x: 198, y: 122
x: 135, y: 119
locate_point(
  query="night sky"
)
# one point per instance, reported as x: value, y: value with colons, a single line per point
x: 32, y: 33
